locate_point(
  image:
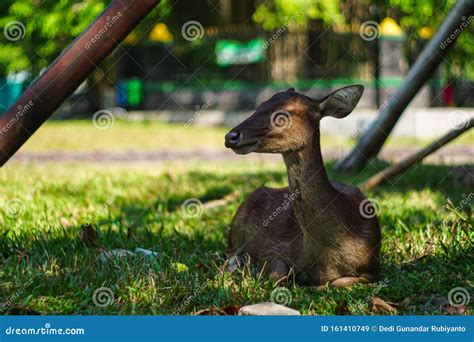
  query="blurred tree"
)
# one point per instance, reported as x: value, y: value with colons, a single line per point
x: 50, y: 25
x: 272, y: 14
x: 42, y: 29
x: 418, y: 18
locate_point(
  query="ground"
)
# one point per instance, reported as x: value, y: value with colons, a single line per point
x: 51, y: 259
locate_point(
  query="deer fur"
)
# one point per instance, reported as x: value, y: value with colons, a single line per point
x: 314, y: 227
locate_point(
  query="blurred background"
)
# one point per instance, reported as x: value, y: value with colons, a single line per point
x: 210, y: 62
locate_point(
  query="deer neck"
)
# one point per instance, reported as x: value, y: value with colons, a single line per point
x: 312, y: 196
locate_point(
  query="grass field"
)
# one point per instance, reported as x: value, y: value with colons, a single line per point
x: 50, y: 264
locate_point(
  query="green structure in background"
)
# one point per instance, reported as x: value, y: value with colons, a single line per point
x: 130, y: 93
x: 231, y: 52
x: 134, y: 92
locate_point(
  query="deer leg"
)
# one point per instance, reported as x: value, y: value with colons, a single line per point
x: 277, y: 269
x: 349, y: 281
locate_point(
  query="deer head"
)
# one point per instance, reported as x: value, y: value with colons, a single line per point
x: 286, y: 121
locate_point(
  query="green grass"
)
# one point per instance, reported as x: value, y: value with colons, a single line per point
x: 81, y: 135
x: 48, y: 267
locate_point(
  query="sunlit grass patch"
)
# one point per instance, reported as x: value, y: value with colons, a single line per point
x: 426, y: 249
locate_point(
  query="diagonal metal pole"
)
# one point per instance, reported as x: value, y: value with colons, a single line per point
x: 372, y: 141
x: 68, y: 71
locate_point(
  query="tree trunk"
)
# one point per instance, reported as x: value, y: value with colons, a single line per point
x: 415, y: 158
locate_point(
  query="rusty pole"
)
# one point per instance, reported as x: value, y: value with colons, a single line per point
x: 68, y: 71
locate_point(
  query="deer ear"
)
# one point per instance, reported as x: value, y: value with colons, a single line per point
x: 341, y: 102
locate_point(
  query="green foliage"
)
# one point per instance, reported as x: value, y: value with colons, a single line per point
x: 51, y: 25
x: 272, y: 14
x: 413, y: 15
x: 49, y: 28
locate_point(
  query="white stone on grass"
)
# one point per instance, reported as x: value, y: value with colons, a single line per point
x: 267, y: 309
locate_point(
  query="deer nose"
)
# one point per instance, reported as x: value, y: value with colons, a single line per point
x: 232, y: 139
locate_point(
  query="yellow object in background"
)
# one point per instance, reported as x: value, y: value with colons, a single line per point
x: 426, y: 32
x: 131, y: 39
x: 390, y: 28
x: 160, y: 33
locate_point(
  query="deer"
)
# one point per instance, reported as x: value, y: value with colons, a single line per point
x: 322, y: 231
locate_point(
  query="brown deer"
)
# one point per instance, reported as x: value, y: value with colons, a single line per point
x: 324, y: 231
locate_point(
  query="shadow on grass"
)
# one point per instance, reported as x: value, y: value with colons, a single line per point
x: 67, y: 269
